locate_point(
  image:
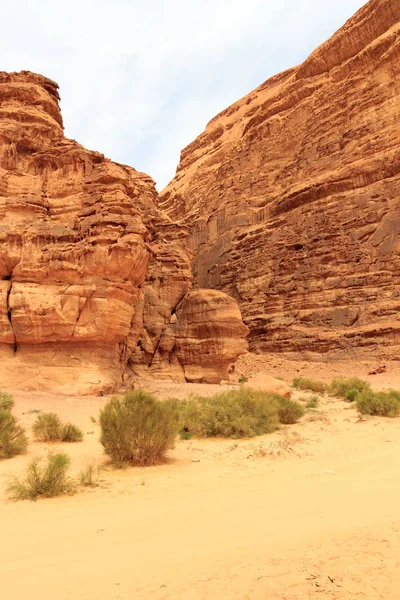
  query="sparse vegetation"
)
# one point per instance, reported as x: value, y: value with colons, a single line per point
x: 89, y: 476
x: 384, y: 404
x: 243, y: 379
x: 6, y: 401
x: 138, y: 429
x: 313, y: 402
x: 71, y: 433
x: 48, y: 427
x: 43, y: 482
x: 289, y: 412
x: 301, y: 383
x: 233, y: 414
x: 348, y: 387
x: 351, y: 395
x: 13, y: 439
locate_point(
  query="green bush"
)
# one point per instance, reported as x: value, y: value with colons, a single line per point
x: 43, y: 482
x: 71, y: 433
x: 138, y: 429
x: 6, y: 401
x: 384, y: 404
x: 13, y: 440
x: 340, y: 386
x: 243, y: 379
x: 313, y: 402
x: 48, y: 427
x: 301, y: 383
x: 289, y: 412
x: 234, y: 414
x: 351, y: 395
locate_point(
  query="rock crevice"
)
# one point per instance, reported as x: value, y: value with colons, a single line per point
x: 9, y: 315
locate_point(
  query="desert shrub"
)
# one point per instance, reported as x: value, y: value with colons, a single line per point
x: 351, y: 395
x: 243, y: 379
x: 138, y: 429
x: 43, y: 482
x: 289, y: 412
x: 301, y: 383
x: 234, y: 414
x: 384, y: 404
x: 340, y: 386
x: 48, y: 427
x: 71, y: 433
x: 6, y: 401
x: 13, y: 440
x: 89, y: 476
x: 313, y: 402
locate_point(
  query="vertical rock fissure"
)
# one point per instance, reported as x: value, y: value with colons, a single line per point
x: 173, y: 313
x: 80, y: 311
x: 9, y: 315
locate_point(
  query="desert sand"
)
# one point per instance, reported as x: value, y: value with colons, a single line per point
x: 308, y: 512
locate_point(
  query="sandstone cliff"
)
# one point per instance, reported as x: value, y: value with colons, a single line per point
x: 292, y: 200
x: 90, y: 270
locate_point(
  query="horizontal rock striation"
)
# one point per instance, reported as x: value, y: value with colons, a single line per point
x: 90, y: 269
x: 291, y: 197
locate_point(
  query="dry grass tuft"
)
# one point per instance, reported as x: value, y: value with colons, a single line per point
x: 43, y: 482
x: 48, y: 427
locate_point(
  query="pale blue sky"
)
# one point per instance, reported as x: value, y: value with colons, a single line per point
x: 140, y: 79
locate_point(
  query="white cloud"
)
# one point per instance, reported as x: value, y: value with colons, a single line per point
x: 140, y: 79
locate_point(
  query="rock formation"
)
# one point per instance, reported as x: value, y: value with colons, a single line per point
x: 291, y: 197
x: 90, y: 269
x: 205, y: 335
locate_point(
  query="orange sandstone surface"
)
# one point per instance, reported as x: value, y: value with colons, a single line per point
x: 91, y: 271
x: 291, y: 196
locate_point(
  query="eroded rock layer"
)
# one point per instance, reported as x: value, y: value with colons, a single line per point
x: 291, y: 197
x: 202, y: 340
x: 90, y: 269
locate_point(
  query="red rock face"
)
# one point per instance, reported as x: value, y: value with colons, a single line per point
x: 90, y: 269
x: 291, y: 197
x: 202, y: 340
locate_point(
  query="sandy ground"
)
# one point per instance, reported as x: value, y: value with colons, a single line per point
x: 311, y: 511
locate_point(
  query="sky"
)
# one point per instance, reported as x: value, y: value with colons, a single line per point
x: 140, y: 79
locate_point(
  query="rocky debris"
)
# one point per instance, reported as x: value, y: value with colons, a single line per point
x: 90, y: 269
x: 378, y: 370
x: 291, y: 198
